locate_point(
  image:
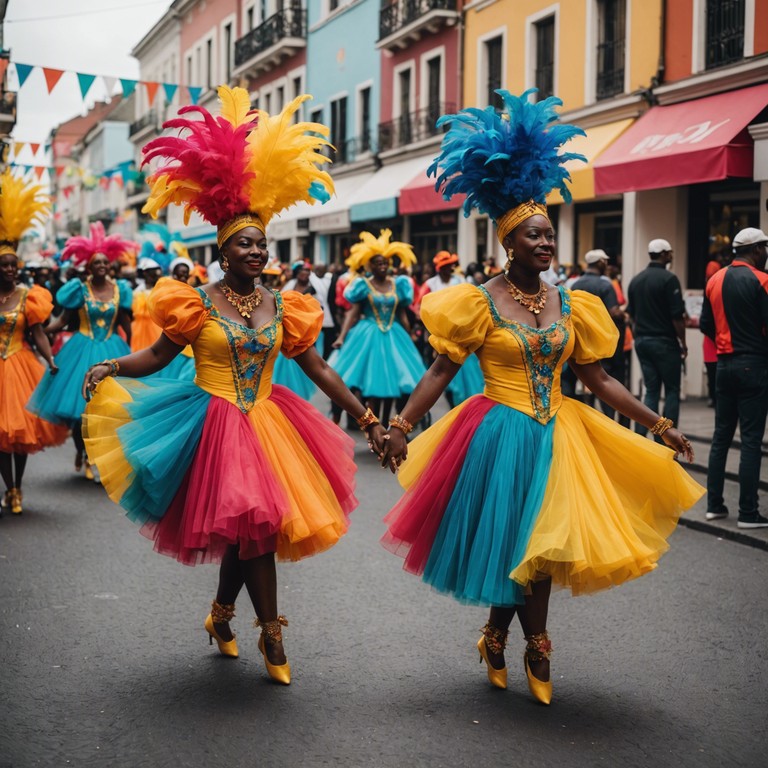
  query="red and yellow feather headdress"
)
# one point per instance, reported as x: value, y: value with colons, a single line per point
x: 241, y: 168
x: 21, y: 206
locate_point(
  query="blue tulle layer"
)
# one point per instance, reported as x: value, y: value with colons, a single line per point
x: 181, y: 368
x: 379, y: 364
x: 59, y: 398
x: 491, y: 513
x: 467, y: 382
x: 288, y: 373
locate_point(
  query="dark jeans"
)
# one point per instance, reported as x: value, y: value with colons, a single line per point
x: 741, y: 396
x: 661, y: 364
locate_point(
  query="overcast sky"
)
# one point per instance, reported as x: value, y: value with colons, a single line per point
x: 91, y: 36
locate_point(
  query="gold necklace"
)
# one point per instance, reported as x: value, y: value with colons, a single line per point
x: 533, y: 302
x: 243, y: 304
x: 8, y: 295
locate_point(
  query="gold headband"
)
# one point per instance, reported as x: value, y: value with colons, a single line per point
x: 7, y: 248
x: 228, y: 228
x: 517, y: 216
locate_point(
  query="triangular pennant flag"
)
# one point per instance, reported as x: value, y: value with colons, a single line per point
x: 129, y: 86
x: 27, y: 168
x: 170, y: 91
x: 151, y: 91
x: 22, y: 72
x: 3, y: 66
x: 194, y: 93
x: 17, y: 147
x: 34, y: 147
x: 51, y: 171
x: 39, y: 171
x: 109, y: 84
x: 59, y: 170
x: 52, y: 76
x: 86, y: 81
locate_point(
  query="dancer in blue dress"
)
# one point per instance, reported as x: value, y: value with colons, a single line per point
x: 375, y: 352
x: 101, y: 305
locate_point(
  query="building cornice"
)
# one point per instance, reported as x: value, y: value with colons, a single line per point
x: 608, y: 111
x: 759, y: 131
x: 155, y: 35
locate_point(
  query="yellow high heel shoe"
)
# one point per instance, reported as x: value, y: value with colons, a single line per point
x: 221, y: 614
x: 495, y: 640
x: 15, y: 500
x: 280, y: 673
x: 539, y: 648
x: 89, y: 472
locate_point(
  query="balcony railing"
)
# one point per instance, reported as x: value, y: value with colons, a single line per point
x: 725, y: 32
x: 146, y: 120
x: 412, y: 126
x: 610, y: 69
x: 350, y: 150
x: 397, y: 15
x: 290, y: 22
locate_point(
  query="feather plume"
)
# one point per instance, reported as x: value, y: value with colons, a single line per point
x: 502, y: 160
x: 21, y: 207
x: 369, y: 246
x: 81, y: 249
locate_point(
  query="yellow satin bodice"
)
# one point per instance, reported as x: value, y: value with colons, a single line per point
x: 34, y: 306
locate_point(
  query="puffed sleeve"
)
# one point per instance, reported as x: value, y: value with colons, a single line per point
x: 38, y: 306
x: 125, y: 298
x: 458, y: 320
x: 302, y: 322
x: 404, y: 289
x: 357, y: 290
x: 178, y: 309
x: 596, y: 335
x: 71, y: 295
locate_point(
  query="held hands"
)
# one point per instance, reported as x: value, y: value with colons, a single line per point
x: 377, y: 438
x: 395, y: 450
x: 53, y: 369
x: 95, y: 374
x: 679, y: 443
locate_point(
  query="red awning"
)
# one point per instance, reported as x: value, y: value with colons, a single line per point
x: 687, y: 143
x: 419, y: 196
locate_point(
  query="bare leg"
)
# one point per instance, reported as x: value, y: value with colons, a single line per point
x: 533, y: 620
x: 261, y: 582
x: 501, y: 619
x: 6, y: 469
x: 77, y: 437
x: 20, y: 460
x: 230, y: 583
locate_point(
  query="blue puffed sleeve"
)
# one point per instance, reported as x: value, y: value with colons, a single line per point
x: 125, y: 299
x: 404, y: 289
x: 71, y: 295
x: 357, y: 291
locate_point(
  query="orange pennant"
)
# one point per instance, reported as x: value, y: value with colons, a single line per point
x: 34, y: 147
x: 59, y: 170
x: 3, y: 66
x: 151, y: 91
x: 39, y: 170
x: 52, y: 76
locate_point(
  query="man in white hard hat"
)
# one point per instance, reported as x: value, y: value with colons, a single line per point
x: 735, y: 317
x: 657, y: 311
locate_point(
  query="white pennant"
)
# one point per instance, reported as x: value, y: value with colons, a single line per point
x: 109, y: 84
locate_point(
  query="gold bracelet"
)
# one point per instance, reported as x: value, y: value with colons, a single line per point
x: 114, y: 366
x: 367, y: 419
x: 661, y: 426
x: 401, y: 423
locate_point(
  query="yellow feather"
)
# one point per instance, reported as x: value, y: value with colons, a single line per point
x: 235, y: 104
x: 20, y: 206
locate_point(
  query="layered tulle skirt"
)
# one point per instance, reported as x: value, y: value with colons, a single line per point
x: 379, y: 363
x: 197, y: 474
x: 21, y: 431
x: 467, y: 382
x: 495, y: 500
x: 59, y: 398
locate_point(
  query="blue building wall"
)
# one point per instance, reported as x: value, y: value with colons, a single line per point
x: 341, y: 55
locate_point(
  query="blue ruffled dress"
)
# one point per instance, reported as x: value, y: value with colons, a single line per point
x: 378, y: 357
x: 59, y: 398
x: 288, y: 373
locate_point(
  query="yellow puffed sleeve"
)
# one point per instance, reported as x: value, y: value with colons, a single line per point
x: 302, y: 322
x: 596, y: 335
x: 38, y: 305
x: 178, y: 309
x: 458, y: 320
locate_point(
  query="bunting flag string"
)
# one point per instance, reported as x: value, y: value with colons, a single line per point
x: 86, y: 80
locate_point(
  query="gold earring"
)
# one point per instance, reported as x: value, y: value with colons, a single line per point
x: 510, y: 259
x: 225, y: 263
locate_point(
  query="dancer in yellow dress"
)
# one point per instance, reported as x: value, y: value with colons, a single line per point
x: 520, y: 488
x: 230, y: 468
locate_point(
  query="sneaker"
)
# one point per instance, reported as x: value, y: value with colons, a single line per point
x: 717, y: 514
x: 752, y: 521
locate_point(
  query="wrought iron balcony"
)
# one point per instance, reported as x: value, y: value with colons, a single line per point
x: 412, y: 127
x: 351, y: 150
x: 725, y: 32
x: 147, y: 120
x: 279, y: 36
x: 404, y: 21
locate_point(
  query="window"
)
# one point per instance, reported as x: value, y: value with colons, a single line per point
x: 297, y: 89
x: 611, y: 37
x: 249, y: 17
x: 545, y: 57
x: 434, y: 78
x: 263, y: 11
x: 493, y: 64
x: 404, y: 116
x: 365, y: 119
x: 189, y: 70
x: 209, y: 63
x: 725, y: 32
x: 280, y: 99
x: 268, y: 102
x: 228, y: 52
x: 332, y: 5
x: 339, y: 127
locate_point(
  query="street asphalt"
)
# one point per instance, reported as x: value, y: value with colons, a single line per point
x: 106, y: 662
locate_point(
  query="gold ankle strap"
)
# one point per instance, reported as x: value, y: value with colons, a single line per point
x: 539, y: 647
x: 495, y: 638
x: 222, y: 614
x: 272, y: 629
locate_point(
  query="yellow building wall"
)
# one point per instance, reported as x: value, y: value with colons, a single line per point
x: 574, y: 18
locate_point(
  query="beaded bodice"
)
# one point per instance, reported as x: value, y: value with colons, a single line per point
x: 233, y: 361
x: 381, y: 307
x: 97, y: 317
x: 12, y: 325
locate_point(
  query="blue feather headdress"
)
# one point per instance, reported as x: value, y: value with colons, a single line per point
x: 500, y: 161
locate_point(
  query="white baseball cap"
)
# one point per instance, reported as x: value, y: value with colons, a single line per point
x: 598, y: 254
x: 749, y: 236
x: 659, y: 246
